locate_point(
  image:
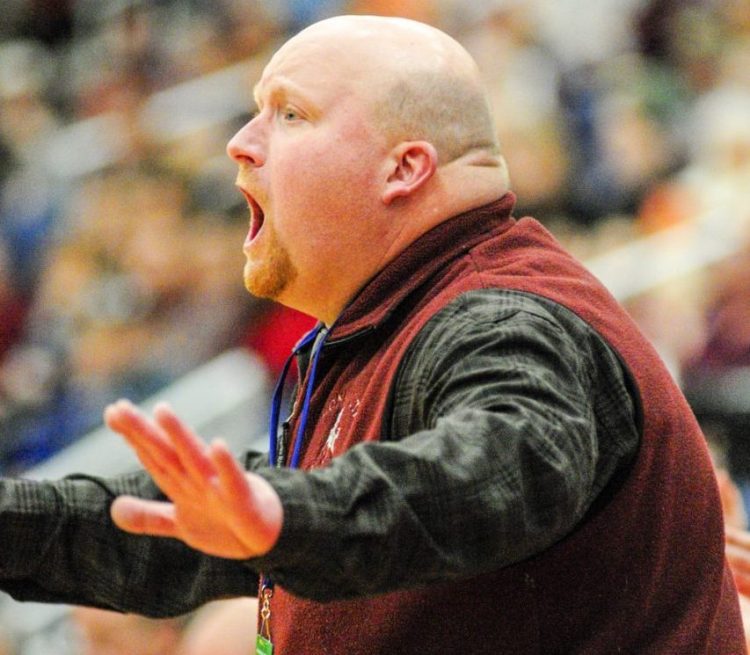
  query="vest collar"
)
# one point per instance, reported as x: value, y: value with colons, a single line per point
x: 418, y: 262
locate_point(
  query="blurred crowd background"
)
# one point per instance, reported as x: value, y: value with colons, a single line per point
x: 121, y: 232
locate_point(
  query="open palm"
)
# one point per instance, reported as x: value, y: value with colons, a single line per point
x: 214, y: 505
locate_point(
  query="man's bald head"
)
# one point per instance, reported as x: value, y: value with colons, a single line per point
x: 422, y: 84
x: 370, y: 131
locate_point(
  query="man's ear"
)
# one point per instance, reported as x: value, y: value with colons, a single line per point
x: 412, y: 163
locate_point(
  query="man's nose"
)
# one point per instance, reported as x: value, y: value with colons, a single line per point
x: 246, y: 146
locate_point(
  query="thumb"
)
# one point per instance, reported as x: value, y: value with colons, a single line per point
x: 143, y: 516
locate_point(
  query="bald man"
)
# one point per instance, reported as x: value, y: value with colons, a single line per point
x: 484, y: 454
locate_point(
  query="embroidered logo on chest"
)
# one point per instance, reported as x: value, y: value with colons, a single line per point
x: 333, y: 434
x: 345, y: 412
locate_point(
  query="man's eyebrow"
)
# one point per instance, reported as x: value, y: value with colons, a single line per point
x: 277, y: 93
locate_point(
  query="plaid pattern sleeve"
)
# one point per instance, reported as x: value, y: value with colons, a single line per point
x: 510, y: 417
x: 59, y: 545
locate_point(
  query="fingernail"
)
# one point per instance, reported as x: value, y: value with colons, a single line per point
x: 163, y: 406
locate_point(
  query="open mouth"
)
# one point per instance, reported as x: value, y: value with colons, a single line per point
x: 256, y: 216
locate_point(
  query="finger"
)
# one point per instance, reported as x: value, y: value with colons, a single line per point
x: 142, y: 435
x: 233, y: 485
x: 254, y: 502
x: 172, y: 484
x: 152, y: 449
x: 123, y: 415
x: 190, y: 448
x: 144, y: 516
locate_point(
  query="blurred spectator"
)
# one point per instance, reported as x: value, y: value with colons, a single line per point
x: 687, y: 36
x: 12, y: 306
x: 26, y: 118
x: 707, y: 195
x: 516, y: 64
x: 275, y: 332
x: 735, y: 521
x: 425, y: 11
x: 101, y: 632
x: 738, y: 556
x: 124, y: 306
x: 49, y: 21
x: 133, y: 61
x: 727, y: 343
x: 717, y: 379
x: 28, y: 206
x: 224, y: 627
x: 297, y: 14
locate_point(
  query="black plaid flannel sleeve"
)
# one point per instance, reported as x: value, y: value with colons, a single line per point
x: 59, y: 545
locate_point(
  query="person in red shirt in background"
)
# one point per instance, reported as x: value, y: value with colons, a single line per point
x: 273, y: 334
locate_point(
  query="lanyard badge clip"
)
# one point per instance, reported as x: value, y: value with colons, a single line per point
x: 263, y: 644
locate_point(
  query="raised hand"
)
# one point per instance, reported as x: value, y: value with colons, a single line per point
x: 215, y: 507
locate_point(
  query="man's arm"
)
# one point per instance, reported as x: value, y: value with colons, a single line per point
x: 503, y: 459
x: 59, y: 545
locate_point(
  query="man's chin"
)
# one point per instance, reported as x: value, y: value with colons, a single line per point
x: 260, y: 288
x: 268, y: 282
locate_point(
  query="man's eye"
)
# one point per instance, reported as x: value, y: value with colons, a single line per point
x: 290, y: 115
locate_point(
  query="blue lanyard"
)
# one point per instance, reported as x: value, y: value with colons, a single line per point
x: 273, y: 422
x: 273, y: 427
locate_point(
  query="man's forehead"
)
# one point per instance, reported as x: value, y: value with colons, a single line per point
x: 366, y: 45
x: 307, y: 62
x: 316, y: 49
x: 361, y: 50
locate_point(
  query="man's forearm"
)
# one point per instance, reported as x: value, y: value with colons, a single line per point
x: 60, y: 545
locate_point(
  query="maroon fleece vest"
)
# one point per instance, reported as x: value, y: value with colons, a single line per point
x: 644, y: 574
